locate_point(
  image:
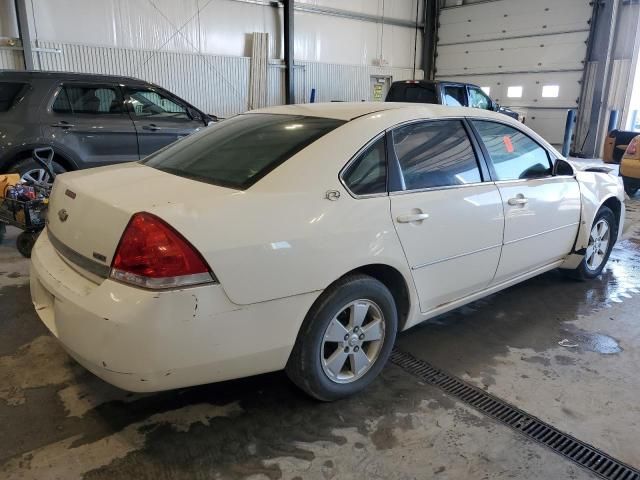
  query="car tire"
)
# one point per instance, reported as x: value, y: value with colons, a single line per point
x: 330, y: 333
x: 631, y: 191
x: 25, y: 243
x: 597, y: 254
x: 27, y: 166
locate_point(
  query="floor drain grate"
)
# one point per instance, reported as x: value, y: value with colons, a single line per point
x: 579, y: 452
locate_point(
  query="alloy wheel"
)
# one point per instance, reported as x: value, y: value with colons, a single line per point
x: 599, y: 239
x: 352, y: 341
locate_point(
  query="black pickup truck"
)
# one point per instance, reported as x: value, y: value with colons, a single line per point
x: 454, y: 94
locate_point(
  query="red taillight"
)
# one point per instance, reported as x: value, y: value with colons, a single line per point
x: 152, y: 254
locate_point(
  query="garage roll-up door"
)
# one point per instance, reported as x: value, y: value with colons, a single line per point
x: 529, y: 55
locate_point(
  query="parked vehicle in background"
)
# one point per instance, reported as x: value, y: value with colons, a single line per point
x: 453, y: 94
x: 630, y: 167
x: 304, y: 237
x: 89, y: 120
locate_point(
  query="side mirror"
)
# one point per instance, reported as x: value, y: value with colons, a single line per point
x: 562, y: 167
x: 210, y: 119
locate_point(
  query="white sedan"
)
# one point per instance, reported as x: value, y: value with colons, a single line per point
x: 305, y: 237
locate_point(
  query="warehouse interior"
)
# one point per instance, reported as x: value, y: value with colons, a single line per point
x: 561, y: 354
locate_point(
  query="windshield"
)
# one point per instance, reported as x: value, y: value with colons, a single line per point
x: 412, y: 92
x: 238, y: 152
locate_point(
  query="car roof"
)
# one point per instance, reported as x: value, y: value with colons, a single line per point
x: 25, y: 75
x: 433, y: 82
x: 352, y: 110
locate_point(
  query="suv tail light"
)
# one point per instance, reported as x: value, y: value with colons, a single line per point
x: 151, y: 254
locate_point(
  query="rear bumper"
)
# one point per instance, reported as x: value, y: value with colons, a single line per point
x: 144, y: 341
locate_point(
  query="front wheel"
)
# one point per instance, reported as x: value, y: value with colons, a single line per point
x: 601, y: 240
x: 345, y: 339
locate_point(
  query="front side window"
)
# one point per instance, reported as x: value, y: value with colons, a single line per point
x: 513, y: 154
x: 478, y: 99
x: 148, y: 103
x: 88, y: 99
x: 368, y: 173
x: 454, y: 96
x: 240, y: 151
x: 435, y: 154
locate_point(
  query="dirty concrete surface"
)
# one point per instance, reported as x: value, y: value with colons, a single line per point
x: 565, y: 351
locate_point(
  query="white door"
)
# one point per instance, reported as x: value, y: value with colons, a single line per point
x: 542, y: 211
x: 449, y: 222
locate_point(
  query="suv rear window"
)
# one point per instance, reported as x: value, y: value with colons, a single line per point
x: 9, y: 92
x: 238, y: 152
x: 412, y: 92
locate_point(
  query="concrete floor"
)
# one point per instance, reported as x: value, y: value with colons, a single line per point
x: 57, y: 421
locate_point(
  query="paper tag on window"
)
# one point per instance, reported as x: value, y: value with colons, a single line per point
x: 508, y: 146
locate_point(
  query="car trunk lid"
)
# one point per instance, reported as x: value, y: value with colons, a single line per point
x: 89, y: 210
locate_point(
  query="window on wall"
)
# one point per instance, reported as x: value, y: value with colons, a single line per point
x: 514, y: 155
x: 368, y: 174
x: 486, y: 90
x: 514, y: 92
x: 435, y: 154
x: 87, y: 99
x: 550, y: 91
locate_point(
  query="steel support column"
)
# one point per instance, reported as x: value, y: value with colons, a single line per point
x: 25, y: 33
x: 430, y: 38
x: 289, y: 81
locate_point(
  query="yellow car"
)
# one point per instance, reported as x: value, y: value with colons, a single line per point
x: 630, y: 167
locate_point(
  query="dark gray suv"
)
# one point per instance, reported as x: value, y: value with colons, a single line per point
x: 89, y: 120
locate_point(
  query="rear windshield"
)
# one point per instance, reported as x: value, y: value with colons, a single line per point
x: 412, y: 92
x: 238, y: 152
x: 9, y: 92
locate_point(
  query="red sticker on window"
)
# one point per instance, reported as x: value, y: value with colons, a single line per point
x: 508, y: 146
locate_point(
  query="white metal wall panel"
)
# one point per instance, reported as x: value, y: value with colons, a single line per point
x: 530, y: 44
x: 223, y: 27
x: 506, y: 19
x: 554, y: 52
x: 11, y: 59
x: 532, y: 84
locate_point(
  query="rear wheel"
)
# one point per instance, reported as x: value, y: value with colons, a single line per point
x: 601, y: 239
x: 345, y: 340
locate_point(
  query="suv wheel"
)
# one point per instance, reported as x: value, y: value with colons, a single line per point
x: 33, y: 173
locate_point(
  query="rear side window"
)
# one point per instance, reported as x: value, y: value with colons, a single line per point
x: 514, y: 155
x: 367, y: 175
x: 455, y: 96
x: 238, y: 152
x: 435, y: 154
x: 88, y: 99
x: 9, y: 94
x: 413, y: 93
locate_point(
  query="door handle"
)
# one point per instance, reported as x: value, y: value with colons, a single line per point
x: 63, y: 124
x: 520, y: 200
x: 412, y: 217
x: 151, y: 127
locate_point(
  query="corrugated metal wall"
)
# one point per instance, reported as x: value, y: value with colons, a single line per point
x: 11, y: 59
x: 216, y: 84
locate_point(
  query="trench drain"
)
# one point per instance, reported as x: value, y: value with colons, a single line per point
x: 584, y: 455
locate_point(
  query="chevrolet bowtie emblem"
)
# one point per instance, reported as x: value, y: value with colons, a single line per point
x: 63, y: 215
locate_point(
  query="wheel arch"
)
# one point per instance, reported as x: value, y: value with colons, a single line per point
x: 25, y: 151
x: 395, y: 281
